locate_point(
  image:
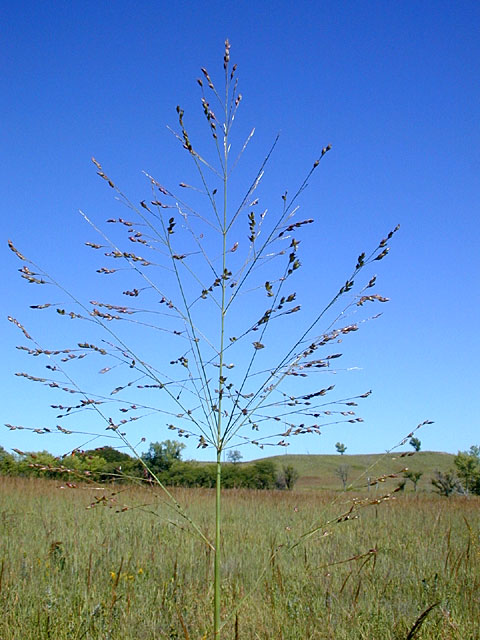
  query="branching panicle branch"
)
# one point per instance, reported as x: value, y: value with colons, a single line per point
x: 209, y: 363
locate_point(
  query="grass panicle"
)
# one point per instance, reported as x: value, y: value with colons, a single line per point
x: 213, y: 283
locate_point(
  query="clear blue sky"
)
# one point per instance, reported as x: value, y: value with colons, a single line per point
x: 393, y: 86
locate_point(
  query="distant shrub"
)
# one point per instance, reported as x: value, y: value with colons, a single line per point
x: 446, y: 484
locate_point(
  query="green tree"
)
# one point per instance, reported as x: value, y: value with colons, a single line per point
x: 38, y: 463
x: 415, y: 443
x: 7, y: 463
x: 109, y: 454
x: 467, y: 464
x: 263, y: 474
x: 446, y: 484
x: 117, y: 465
x: 161, y: 455
x: 341, y: 448
x: 414, y: 477
x: 234, y: 456
x: 475, y: 451
x: 85, y: 466
x: 289, y: 476
x: 189, y: 474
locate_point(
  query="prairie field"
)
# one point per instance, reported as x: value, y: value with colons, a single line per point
x: 96, y: 562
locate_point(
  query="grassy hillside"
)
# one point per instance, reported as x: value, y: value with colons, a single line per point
x: 318, y: 471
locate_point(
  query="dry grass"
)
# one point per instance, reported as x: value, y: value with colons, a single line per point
x: 72, y: 572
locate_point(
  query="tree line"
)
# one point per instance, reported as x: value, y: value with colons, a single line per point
x: 464, y: 479
x: 163, y: 459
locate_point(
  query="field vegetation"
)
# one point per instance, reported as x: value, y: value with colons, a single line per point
x: 117, y: 562
x: 307, y: 472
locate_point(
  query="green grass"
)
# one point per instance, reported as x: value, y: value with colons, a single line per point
x: 318, y: 471
x: 68, y: 572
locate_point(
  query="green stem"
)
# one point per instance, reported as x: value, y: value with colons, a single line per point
x: 217, y: 572
x: 221, y: 382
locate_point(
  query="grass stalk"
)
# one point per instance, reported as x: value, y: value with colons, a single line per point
x: 221, y: 380
x: 217, y: 566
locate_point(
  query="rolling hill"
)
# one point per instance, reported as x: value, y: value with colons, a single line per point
x: 319, y: 471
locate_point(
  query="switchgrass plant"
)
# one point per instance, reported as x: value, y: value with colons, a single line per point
x: 103, y: 573
x: 226, y: 356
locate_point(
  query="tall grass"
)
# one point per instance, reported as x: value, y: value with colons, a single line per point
x: 69, y: 571
x: 218, y: 277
